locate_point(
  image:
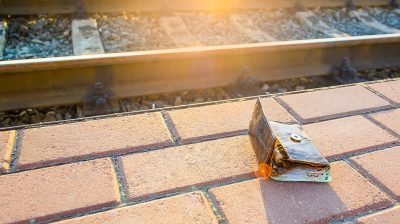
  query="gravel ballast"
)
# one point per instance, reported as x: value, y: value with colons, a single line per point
x: 50, y: 35
x: 59, y: 113
x: 38, y: 37
x: 282, y: 24
x: 132, y: 32
x: 385, y: 16
x: 340, y: 19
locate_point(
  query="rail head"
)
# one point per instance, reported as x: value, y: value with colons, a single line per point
x: 25, y: 7
x: 67, y: 80
x: 46, y: 64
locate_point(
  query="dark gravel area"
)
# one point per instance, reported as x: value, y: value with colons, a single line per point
x: 339, y: 19
x: 132, y: 32
x: 38, y: 37
x: 385, y: 16
x: 38, y: 115
x: 379, y: 74
x: 58, y: 113
x: 230, y: 92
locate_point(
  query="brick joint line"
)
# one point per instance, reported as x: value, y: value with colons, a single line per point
x: 394, y: 104
x: 171, y: 128
x: 120, y: 180
x: 379, y: 124
x: 212, y: 137
x: 89, y: 212
x: 218, y: 212
x: 15, y: 150
x: 364, y: 151
x: 364, y: 173
x: 370, y: 212
x: 290, y: 110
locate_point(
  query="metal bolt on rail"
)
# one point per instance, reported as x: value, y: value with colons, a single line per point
x: 350, y: 5
x: 394, y: 4
x: 284, y: 152
x: 246, y: 83
x: 298, y: 6
x: 346, y: 73
x: 80, y: 12
x: 99, y: 100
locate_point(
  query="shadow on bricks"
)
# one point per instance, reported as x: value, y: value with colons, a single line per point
x: 269, y: 201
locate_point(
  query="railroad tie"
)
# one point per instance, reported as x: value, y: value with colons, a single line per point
x: 3, y: 30
x: 85, y: 37
x: 309, y: 19
x: 177, y: 31
x: 246, y: 26
x: 367, y: 20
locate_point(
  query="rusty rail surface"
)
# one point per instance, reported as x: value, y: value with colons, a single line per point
x: 23, y: 7
x: 64, y: 80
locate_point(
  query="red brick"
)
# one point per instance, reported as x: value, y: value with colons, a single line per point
x: 338, y: 137
x: 383, y: 167
x: 60, y: 143
x: 50, y: 193
x: 227, y: 119
x: 389, y: 216
x: 333, y: 103
x: 391, y: 90
x: 186, y: 208
x: 390, y: 119
x: 172, y: 169
x: 260, y: 201
x: 7, y: 139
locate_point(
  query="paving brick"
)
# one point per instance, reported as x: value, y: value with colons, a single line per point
x: 194, y: 124
x: 60, y: 143
x: 260, y: 201
x: 390, y: 90
x: 7, y: 139
x: 46, y: 194
x: 390, y: 119
x: 389, y: 216
x: 383, y: 167
x: 335, y: 138
x: 332, y: 103
x: 168, y: 170
x: 187, y: 208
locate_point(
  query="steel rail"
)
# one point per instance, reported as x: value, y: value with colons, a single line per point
x: 64, y: 80
x: 24, y: 7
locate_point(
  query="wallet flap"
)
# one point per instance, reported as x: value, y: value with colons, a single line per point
x: 261, y: 135
x: 297, y: 145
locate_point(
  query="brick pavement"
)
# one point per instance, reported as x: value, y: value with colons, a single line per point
x: 129, y: 168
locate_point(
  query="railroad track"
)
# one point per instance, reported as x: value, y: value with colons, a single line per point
x: 82, y: 32
x: 100, y: 80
